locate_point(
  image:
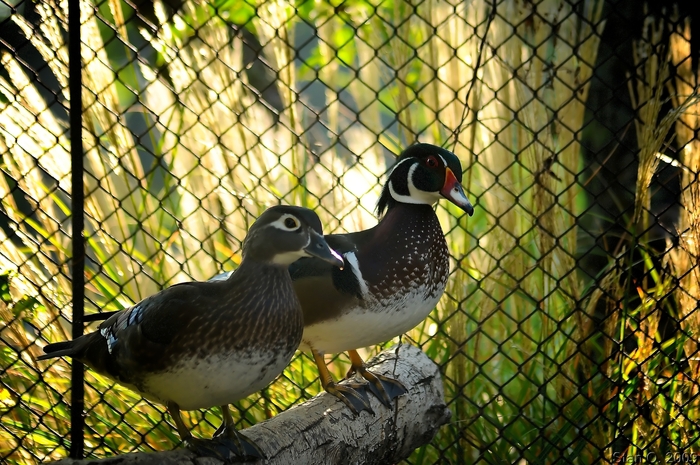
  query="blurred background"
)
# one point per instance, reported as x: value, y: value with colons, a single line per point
x: 569, y: 329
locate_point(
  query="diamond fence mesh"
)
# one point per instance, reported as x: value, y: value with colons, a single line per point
x: 569, y: 329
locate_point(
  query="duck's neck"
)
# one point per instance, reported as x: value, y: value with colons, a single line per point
x: 401, y: 214
x: 253, y: 267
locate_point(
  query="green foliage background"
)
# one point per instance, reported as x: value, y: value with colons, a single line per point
x: 236, y: 105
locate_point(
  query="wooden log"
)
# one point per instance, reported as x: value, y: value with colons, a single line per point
x: 324, y: 431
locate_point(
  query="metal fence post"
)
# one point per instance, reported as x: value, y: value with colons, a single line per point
x: 77, y: 223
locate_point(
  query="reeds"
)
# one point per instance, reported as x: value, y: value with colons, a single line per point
x: 509, y: 327
x: 177, y: 168
x: 646, y: 92
x: 648, y: 338
x: 175, y: 173
x: 685, y: 258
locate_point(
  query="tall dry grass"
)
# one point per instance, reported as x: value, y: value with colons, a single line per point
x: 651, y: 398
x: 509, y: 328
x: 684, y: 91
x: 175, y: 173
x: 177, y: 169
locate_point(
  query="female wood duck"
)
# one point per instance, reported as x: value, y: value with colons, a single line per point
x: 393, y: 275
x: 202, y: 344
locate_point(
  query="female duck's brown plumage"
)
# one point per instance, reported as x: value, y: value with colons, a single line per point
x: 201, y: 344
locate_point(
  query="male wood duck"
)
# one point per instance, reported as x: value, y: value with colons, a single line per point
x: 393, y: 275
x: 201, y: 344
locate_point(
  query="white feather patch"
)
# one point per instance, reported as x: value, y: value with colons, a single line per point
x: 215, y: 380
x: 280, y: 223
x: 416, y: 196
x: 355, y: 267
x: 110, y: 333
x: 362, y: 327
x: 287, y: 258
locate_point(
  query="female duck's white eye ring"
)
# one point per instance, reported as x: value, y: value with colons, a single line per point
x: 287, y: 222
x: 291, y: 223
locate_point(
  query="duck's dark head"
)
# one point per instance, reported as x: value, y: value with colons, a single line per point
x: 423, y: 174
x: 284, y: 234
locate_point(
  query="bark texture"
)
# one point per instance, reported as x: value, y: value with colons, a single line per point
x: 324, y: 431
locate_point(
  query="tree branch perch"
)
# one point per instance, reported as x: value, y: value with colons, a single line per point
x: 324, y: 431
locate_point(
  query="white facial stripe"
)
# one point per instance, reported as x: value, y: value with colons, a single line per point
x: 287, y: 258
x: 355, y: 267
x: 399, y: 197
x: 443, y: 160
x: 279, y: 223
x: 402, y: 161
x: 416, y: 196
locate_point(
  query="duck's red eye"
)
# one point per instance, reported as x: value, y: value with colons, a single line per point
x: 431, y: 162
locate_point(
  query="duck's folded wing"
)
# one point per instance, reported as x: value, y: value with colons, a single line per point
x: 317, y: 283
x: 157, y: 319
x: 143, y: 338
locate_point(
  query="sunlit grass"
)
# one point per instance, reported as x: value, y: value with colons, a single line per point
x: 178, y: 168
x: 175, y: 174
x: 651, y: 363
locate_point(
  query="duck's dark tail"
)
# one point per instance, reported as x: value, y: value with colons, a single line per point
x: 58, y: 349
x: 90, y: 349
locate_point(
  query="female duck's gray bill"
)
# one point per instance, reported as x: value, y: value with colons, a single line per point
x: 319, y: 248
x: 453, y: 191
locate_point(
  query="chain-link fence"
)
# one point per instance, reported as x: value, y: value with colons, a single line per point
x: 569, y: 329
